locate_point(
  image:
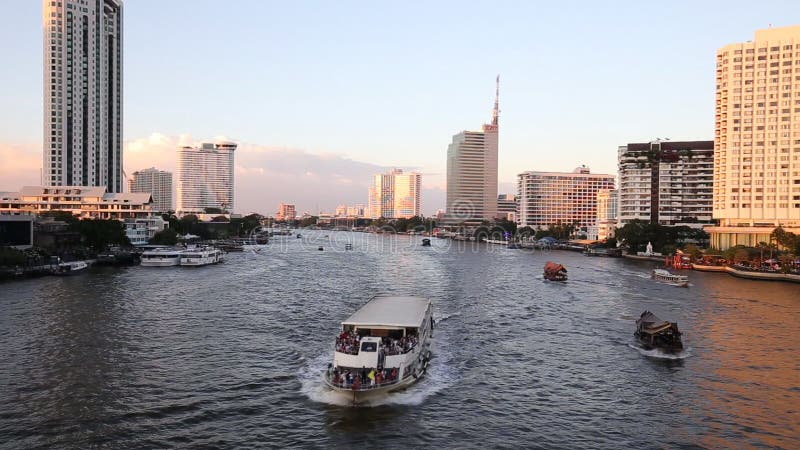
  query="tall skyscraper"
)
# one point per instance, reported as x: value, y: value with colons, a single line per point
x: 472, y: 172
x: 205, y: 178
x: 157, y: 183
x: 757, y: 138
x: 549, y: 198
x: 395, y: 195
x: 82, y: 93
x: 666, y: 182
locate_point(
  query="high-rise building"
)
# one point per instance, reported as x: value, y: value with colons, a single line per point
x: 157, y: 183
x: 757, y: 138
x: 205, y: 178
x: 285, y: 212
x: 82, y: 93
x: 472, y: 172
x: 607, y: 212
x: 666, y: 182
x: 548, y: 198
x: 507, y: 207
x: 395, y: 195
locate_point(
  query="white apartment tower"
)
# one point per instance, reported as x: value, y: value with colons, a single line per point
x: 205, y: 178
x: 472, y: 172
x: 757, y: 138
x: 157, y: 183
x: 666, y: 182
x: 549, y: 198
x: 607, y: 211
x: 82, y: 58
x: 395, y: 195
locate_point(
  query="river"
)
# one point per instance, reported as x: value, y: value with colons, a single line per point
x: 231, y: 355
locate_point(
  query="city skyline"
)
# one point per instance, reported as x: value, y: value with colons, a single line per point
x: 536, y: 136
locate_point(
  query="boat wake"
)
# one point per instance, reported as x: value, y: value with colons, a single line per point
x: 446, y: 316
x: 440, y: 375
x: 658, y: 354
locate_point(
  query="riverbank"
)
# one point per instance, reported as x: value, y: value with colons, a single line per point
x: 750, y: 275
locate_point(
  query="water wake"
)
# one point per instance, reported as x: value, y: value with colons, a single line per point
x: 658, y: 354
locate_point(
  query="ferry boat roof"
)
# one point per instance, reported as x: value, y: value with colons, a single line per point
x: 391, y: 311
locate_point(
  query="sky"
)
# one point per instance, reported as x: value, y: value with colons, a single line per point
x: 321, y: 95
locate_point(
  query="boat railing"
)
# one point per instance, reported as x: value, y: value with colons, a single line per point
x: 363, y: 385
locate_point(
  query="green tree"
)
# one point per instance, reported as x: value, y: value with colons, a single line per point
x: 165, y: 237
x: 98, y: 234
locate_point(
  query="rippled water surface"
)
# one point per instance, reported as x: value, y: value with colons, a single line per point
x: 232, y: 355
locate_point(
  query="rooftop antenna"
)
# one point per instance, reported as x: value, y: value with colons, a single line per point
x: 496, y: 109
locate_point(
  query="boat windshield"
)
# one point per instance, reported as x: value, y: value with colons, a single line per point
x: 369, y: 346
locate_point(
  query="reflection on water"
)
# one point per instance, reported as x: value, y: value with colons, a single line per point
x: 232, y: 355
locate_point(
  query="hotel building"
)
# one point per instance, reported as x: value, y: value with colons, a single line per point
x: 82, y: 58
x: 507, y: 207
x: 157, y: 183
x: 548, y: 198
x: 285, y: 212
x: 757, y: 138
x: 472, y: 172
x: 205, y: 178
x: 607, y: 211
x: 395, y: 195
x: 666, y: 182
x: 85, y: 202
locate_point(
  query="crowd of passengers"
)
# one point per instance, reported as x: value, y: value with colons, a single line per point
x: 349, y: 342
x: 362, y: 379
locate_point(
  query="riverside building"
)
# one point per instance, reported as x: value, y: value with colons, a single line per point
x: 757, y: 138
x: 548, y: 198
x: 285, y: 212
x: 157, y: 183
x: 472, y: 172
x: 205, y: 178
x: 85, y: 202
x: 666, y: 182
x: 395, y: 195
x: 82, y: 58
x: 607, y: 211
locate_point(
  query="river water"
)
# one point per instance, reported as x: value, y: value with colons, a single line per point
x: 232, y: 355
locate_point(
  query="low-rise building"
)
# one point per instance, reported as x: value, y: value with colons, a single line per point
x: 140, y: 231
x: 84, y: 202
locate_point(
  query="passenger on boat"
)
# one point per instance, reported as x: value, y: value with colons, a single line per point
x: 373, y: 378
x: 348, y: 342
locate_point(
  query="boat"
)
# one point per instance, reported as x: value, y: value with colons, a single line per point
x: 513, y: 245
x: 115, y: 255
x: 201, y: 256
x: 426, y: 242
x: 665, y: 276
x: 381, y: 348
x: 348, y: 246
x: 655, y: 333
x: 69, y: 268
x: 161, y: 257
x: 555, y: 272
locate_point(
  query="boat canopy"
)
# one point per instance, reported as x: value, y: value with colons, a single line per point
x: 391, y: 311
x: 552, y: 267
x: 652, y: 323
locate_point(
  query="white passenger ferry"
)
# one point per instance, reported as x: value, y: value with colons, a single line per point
x: 665, y: 276
x: 382, y: 347
x: 201, y: 256
x: 161, y: 257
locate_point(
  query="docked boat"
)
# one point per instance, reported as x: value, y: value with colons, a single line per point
x: 382, y: 347
x: 116, y: 255
x: 554, y: 272
x: 655, y: 333
x: 69, y: 268
x: 161, y: 257
x: 426, y: 242
x: 201, y: 256
x: 665, y: 276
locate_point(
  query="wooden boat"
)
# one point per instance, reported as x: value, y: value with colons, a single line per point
x: 70, y: 268
x: 655, y: 333
x: 555, y: 272
x: 665, y: 276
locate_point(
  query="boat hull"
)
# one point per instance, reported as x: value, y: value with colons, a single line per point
x: 362, y: 395
x: 166, y: 262
x: 675, y: 348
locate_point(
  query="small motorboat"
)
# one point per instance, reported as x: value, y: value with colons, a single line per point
x: 70, y: 268
x: 665, y: 276
x: 655, y: 333
x: 555, y: 272
x: 321, y: 248
x: 348, y: 246
x: 426, y: 242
